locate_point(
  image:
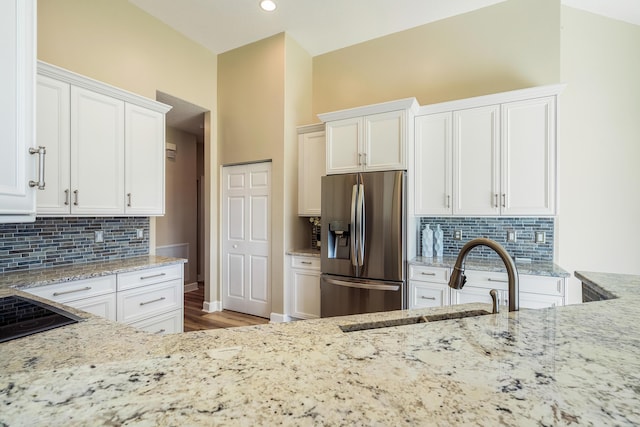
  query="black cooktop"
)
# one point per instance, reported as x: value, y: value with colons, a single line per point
x: 20, y: 317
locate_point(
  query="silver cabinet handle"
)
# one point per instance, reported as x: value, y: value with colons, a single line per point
x: 504, y: 200
x: 86, y: 288
x: 448, y: 201
x: 431, y: 298
x: 161, y: 331
x: 66, y: 197
x: 152, y: 301
x: 75, y: 197
x: 129, y: 199
x: 495, y: 205
x: 497, y: 280
x: 40, y: 151
x: 424, y: 273
x: 365, y: 159
x: 305, y: 262
x: 152, y: 276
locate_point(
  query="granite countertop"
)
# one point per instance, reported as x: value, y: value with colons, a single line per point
x: 67, y: 273
x: 558, y: 366
x: 310, y: 252
x: 536, y: 268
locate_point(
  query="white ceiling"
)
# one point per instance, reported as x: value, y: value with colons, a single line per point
x: 321, y: 26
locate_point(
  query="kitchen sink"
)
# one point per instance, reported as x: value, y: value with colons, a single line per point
x: 413, y: 320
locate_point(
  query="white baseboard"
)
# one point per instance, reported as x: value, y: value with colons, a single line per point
x: 280, y: 318
x: 212, y: 306
x: 189, y: 287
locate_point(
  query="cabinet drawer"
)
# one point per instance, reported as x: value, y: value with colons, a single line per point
x: 305, y: 262
x: 168, y: 323
x: 424, y: 295
x: 428, y: 274
x: 134, y: 279
x: 141, y: 303
x: 542, y: 285
x: 101, y: 305
x: 77, y: 289
x: 528, y: 300
x: 487, y: 279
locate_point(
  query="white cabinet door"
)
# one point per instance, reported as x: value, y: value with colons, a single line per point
x: 311, y: 168
x: 433, y: 147
x: 103, y: 305
x: 472, y: 294
x: 17, y: 87
x: 97, y: 153
x: 344, y: 145
x: 53, y: 121
x: 476, y: 161
x: 425, y: 294
x: 385, y: 141
x: 528, y: 157
x: 306, y: 293
x: 144, y: 161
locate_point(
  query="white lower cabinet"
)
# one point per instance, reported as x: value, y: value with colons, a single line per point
x: 428, y: 287
x: 96, y: 295
x: 150, y: 299
x: 304, y: 276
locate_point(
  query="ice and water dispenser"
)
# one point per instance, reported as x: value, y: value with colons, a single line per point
x: 338, y: 245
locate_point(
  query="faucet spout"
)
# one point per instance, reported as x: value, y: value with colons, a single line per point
x: 458, y: 279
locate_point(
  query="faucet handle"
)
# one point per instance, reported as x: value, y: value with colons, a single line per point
x: 494, y: 297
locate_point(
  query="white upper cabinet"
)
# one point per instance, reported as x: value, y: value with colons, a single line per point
x: 144, y: 161
x: 311, y: 168
x: 105, y: 147
x: 433, y: 176
x: 502, y: 158
x: 371, y: 138
x: 17, y: 87
x: 528, y: 147
x: 97, y: 153
x: 53, y: 123
x: 476, y: 161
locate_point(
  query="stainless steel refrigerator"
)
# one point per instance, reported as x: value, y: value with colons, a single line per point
x: 363, y: 245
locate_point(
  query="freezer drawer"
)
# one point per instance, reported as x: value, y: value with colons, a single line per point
x: 342, y: 296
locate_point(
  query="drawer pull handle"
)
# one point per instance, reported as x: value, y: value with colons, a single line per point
x: 152, y: 276
x: 431, y: 298
x: 428, y: 274
x: 497, y: 280
x: 306, y: 262
x: 161, y: 331
x: 86, y: 288
x: 152, y: 301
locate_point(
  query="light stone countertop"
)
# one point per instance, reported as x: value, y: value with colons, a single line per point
x: 308, y: 252
x: 572, y: 365
x: 536, y: 268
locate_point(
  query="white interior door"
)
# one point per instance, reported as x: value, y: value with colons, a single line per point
x: 246, y: 233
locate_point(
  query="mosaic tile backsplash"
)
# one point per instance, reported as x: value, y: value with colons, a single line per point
x: 50, y: 242
x: 495, y: 229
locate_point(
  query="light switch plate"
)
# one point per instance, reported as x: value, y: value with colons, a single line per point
x: 511, y: 236
x: 98, y: 236
x: 139, y: 233
x: 540, y: 237
x: 457, y: 235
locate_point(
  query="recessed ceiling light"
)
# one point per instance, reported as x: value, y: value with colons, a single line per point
x: 268, y: 5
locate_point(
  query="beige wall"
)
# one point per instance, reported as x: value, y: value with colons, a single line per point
x: 117, y: 43
x: 179, y: 224
x: 599, y: 144
x: 511, y: 45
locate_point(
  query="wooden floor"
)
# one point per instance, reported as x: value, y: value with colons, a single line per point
x: 195, y: 319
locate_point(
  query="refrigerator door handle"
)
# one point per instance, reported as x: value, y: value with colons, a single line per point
x: 361, y: 226
x: 373, y: 286
x: 352, y: 237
